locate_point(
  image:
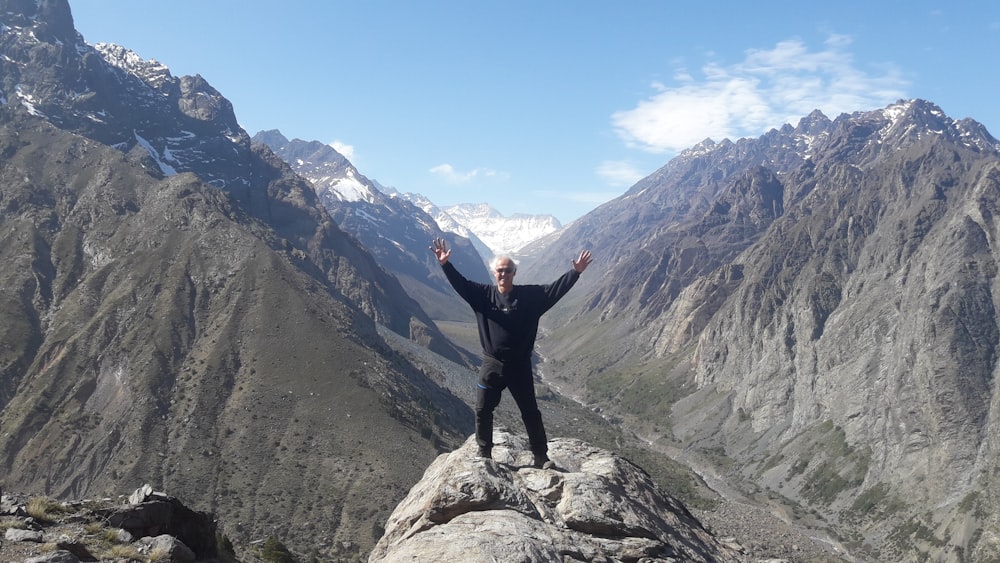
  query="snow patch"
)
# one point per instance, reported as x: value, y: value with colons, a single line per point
x: 166, y: 168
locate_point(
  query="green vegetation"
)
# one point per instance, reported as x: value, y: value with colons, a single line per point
x: 771, y: 462
x: 906, y: 536
x: 275, y: 552
x: 873, y: 503
x: 971, y: 503
x: 799, y: 467
x: 824, y: 483
x: 837, y: 467
x: 644, y: 393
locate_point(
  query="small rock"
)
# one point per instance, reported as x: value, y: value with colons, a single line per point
x: 14, y: 534
x: 58, y: 556
x: 140, y: 494
x: 169, y: 546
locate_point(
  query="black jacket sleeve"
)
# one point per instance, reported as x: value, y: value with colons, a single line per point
x: 555, y: 290
x: 470, y: 291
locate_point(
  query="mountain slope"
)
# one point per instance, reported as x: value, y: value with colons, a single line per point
x: 167, y: 336
x: 179, y: 309
x: 819, y: 305
x: 397, y: 233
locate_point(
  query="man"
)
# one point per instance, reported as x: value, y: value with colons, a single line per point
x: 508, y: 316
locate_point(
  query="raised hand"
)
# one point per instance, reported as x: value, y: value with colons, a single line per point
x: 581, y: 263
x: 441, y: 251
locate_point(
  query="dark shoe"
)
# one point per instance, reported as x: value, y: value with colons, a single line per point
x: 484, y: 453
x: 542, y: 461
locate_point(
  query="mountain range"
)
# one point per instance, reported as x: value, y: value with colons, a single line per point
x: 815, y: 311
x: 807, y: 319
x: 500, y: 234
x: 397, y: 233
x: 396, y: 226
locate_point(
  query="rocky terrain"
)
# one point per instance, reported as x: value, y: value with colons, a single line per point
x: 592, y: 506
x: 145, y: 526
x: 215, y: 340
x: 518, y: 512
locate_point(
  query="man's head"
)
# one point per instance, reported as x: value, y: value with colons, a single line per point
x: 504, y: 268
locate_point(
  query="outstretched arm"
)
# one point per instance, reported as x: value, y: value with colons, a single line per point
x: 555, y: 290
x: 441, y: 251
x: 472, y: 292
x: 581, y: 263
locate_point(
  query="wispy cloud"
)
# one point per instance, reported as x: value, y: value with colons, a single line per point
x: 768, y: 88
x: 449, y: 174
x: 619, y: 173
x: 344, y: 149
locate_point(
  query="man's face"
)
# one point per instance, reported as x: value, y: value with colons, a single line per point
x: 504, y: 274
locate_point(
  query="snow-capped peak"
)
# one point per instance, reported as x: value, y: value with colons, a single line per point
x: 151, y: 72
x: 503, y: 235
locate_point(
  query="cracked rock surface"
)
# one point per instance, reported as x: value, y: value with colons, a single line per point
x: 592, y: 506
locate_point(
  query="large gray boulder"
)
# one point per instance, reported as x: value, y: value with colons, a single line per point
x: 593, y: 506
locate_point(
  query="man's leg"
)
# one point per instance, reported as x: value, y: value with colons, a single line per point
x: 522, y: 388
x: 487, y: 398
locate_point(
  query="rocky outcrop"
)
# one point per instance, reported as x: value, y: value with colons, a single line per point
x: 147, y: 526
x: 592, y: 506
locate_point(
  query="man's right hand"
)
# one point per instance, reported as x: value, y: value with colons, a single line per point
x: 441, y: 251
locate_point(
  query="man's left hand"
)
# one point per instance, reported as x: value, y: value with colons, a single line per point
x: 581, y: 263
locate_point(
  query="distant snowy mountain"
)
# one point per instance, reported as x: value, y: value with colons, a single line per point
x: 395, y: 231
x: 336, y: 180
x: 376, y: 214
x: 445, y: 221
x: 487, y: 228
x: 504, y: 235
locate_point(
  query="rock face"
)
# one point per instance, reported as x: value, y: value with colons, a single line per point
x: 592, y: 506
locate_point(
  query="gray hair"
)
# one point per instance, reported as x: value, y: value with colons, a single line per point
x: 500, y: 257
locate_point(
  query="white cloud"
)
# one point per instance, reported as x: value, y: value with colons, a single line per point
x: 619, y: 173
x: 448, y: 173
x: 767, y: 89
x: 344, y: 149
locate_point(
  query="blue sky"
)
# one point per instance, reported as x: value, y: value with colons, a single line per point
x: 554, y: 106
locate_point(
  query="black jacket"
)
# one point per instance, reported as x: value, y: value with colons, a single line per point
x: 508, y: 323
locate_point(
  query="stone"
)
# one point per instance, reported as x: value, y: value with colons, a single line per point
x: 592, y: 506
x: 14, y: 534
x: 168, y: 548
x: 57, y: 556
x: 140, y: 494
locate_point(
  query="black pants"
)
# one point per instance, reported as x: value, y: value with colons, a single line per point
x: 494, y: 377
